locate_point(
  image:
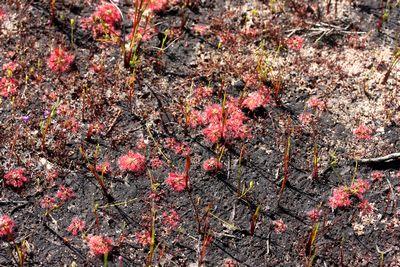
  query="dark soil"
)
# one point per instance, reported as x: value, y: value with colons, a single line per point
x: 153, y: 109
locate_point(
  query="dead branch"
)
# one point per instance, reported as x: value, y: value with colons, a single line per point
x: 387, y: 158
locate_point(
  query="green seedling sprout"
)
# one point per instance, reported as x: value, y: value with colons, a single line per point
x: 44, y: 125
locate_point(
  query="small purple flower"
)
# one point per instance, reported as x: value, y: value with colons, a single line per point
x: 25, y: 118
x: 46, y: 113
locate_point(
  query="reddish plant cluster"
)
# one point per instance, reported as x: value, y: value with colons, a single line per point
x: 51, y: 176
x: 133, y: 162
x: 257, y: 99
x: 6, y: 226
x: 65, y: 193
x: 8, y: 87
x: 94, y: 128
x: 156, y: 163
x: 104, y: 21
x: 229, y: 262
x: 143, y: 237
x: 295, y: 43
x: 341, y: 196
x: 359, y: 188
x: 177, y: 147
x: 60, y: 60
x: 99, y: 245
x: 279, y: 226
x: 2, y: 14
x: 171, y: 219
x: 316, y: 104
x: 363, y: 132
x: 203, y: 92
x: 222, y: 123
x: 104, y: 167
x: 10, y: 67
x: 48, y: 202
x: 15, y: 177
x: 314, y: 214
x: 177, y: 181
x: 306, y: 118
x: 356, y: 41
x: 141, y: 144
x: 212, y: 165
x: 77, y: 225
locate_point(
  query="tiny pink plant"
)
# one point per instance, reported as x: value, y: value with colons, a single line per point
x: 133, y: 162
x: 256, y: 100
x: 212, y: 165
x: 229, y: 262
x: 6, y: 225
x: 340, y: 198
x: 156, y: 163
x: 279, y: 226
x: 8, y: 87
x: 316, y: 103
x: 60, y: 60
x: 143, y: 238
x: 177, y: 147
x: 104, y: 21
x: 366, y: 207
x: 359, y: 188
x: 295, y: 43
x: 177, y: 181
x: 65, y: 193
x: 104, y: 167
x: 48, y: 202
x: 363, y: 132
x: 171, y: 219
x: 15, y: 177
x: 314, y: 214
x: 99, y: 245
x: 77, y: 225
x: 306, y: 118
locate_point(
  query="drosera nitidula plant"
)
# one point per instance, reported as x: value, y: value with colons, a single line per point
x: 16, y: 177
x: 341, y: 195
x: 100, y: 246
x: 60, y: 60
x: 104, y: 23
x: 7, y: 226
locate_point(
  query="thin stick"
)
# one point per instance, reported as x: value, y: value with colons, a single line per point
x: 387, y: 158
